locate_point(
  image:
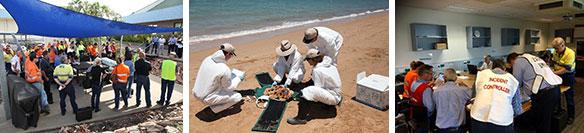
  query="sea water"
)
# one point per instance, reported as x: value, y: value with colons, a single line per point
x: 219, y: 19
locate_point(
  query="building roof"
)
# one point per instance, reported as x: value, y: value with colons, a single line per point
x: 159, y: 10
x: 170, y: 13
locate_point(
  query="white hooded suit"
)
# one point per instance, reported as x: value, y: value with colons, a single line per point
x: 329, y: 43
x: 327, y: 84
x: 215, y: 84
x: 294, y: 67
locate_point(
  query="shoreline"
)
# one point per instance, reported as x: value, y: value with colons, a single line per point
x: 203, y: 45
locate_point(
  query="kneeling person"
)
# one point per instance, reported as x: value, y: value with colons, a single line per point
x: 289, y: 66
x: 326, y: 88
x: 214, y: 85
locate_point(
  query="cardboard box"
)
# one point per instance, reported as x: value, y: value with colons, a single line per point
x: 373, y: 90
x: 441, y: 46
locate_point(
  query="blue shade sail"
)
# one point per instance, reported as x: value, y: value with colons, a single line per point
x: 34, y: 17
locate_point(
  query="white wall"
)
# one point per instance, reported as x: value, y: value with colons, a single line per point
x: 456, y: 24
x: 8, y: 26
x: 562, y: 25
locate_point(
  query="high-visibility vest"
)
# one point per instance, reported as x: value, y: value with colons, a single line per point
x: 61, y: 46
x: 39, y: 52
x: 7, y: 57
x: 92, y: 50
x: 542, y: 73
x: 494, y: 96
x: 80, y: 47
x: 63, y: 72
x: 168, y: 70
x: 32, y: 72
x: 418, y: 95
x: 122, y: 72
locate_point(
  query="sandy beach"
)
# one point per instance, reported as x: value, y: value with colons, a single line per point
x: 365, y: 48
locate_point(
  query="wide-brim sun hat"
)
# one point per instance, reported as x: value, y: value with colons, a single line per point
x: 286, y: 48
x: 309, y: 35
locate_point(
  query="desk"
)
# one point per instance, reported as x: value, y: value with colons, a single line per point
x: 469, y: 80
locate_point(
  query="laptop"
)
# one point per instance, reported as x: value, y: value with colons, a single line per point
x: 472, y: 69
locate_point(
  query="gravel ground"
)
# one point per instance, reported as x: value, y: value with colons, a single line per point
x: 166, y: 119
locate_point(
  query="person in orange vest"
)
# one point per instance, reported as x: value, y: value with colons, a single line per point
x: 39, y: 50
x: 92, y: 51
x: 34, y: 76
x: 120, y: 76
x: 421, y: 98
x: 411, y: 76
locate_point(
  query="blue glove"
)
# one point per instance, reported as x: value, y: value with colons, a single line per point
x: 285, y: 86
x: 275, y: 83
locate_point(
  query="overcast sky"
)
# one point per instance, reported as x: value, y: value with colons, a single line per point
x: 122, y: 7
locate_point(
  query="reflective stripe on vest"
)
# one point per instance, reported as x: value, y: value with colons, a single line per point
x: 418, y: 95
x: 168, y: 70
x: 32, y: 72
x: 122, y: 72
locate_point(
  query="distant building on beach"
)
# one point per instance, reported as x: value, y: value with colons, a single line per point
x: 161, y: 13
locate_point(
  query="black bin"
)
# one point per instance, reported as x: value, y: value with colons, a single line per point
x: 24, y: 102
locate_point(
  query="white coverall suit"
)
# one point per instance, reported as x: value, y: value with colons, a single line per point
x: 215, y: 84
x: 294, y: 67
x: 327, y: 84
x: 329, y: 43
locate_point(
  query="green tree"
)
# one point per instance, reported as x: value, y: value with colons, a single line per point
x: 93, y: 9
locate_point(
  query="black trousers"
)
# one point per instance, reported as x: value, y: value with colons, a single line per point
x: 47, y: 87
x: 543, y: 105
x: 484, y: 127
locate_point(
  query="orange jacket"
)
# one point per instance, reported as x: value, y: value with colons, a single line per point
x: 32, y: 72
x: 121, y: 73
x: 92, y: 50
x: 409, y: 79
x: 39, y: 52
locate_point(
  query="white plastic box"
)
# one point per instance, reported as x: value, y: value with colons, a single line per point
x: 373, y: 90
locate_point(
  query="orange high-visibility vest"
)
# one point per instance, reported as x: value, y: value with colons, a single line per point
x: 92, y: 50
x: 121, y: 73
x: 39, y: 52
x: 32, y: 72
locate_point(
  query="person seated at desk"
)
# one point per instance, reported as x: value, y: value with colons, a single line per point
x: 539, y: 81
x: 487, y: 63
x: 421, y: 99
x: 497, y: 100
x: 450, y: 100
